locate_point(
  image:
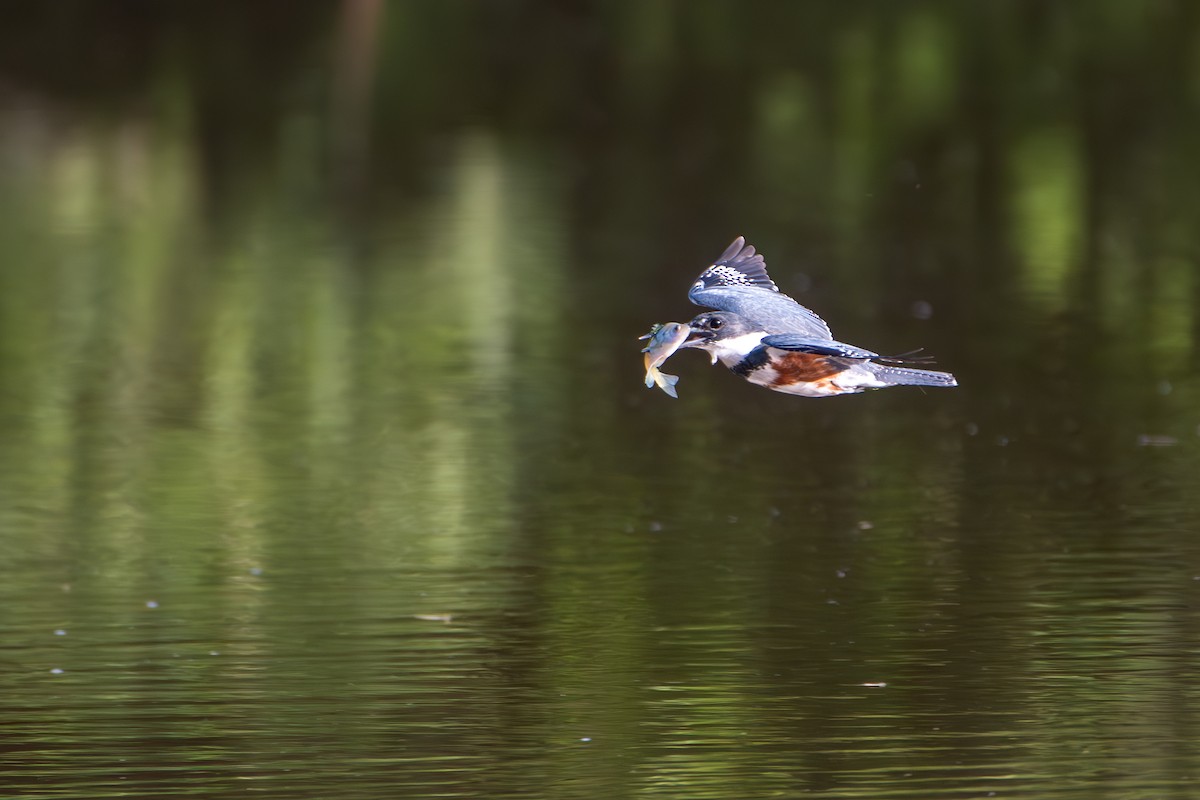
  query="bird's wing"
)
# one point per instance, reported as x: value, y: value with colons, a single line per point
x: 804, y: 344
x: 738, y: 282
x: 739, y: 265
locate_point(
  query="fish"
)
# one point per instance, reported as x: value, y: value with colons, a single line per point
x: 665, y: 339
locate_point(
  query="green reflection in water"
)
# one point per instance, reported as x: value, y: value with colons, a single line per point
x: 926, y: 80
x: 1048, y: 206
x: 183, y: 391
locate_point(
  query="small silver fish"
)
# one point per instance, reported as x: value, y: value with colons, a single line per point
x: 664, y: 339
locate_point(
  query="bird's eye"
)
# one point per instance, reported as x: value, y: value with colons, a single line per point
x: 715, y: 322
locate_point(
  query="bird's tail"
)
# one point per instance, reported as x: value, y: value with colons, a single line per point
x: 904, y: 376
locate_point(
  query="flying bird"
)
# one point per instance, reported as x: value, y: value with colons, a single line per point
x: 769, y: 339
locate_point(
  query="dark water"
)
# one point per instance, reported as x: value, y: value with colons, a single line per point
x: 326, y: 469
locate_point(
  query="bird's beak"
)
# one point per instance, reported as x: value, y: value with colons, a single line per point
x: 696, y: 338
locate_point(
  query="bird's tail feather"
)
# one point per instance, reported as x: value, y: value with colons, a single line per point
x: 913, y: 377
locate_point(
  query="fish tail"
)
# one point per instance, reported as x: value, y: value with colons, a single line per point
x: 667, y: 383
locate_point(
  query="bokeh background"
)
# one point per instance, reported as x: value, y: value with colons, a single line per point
x: 326, y: 468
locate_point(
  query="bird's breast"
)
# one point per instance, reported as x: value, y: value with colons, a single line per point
x: 805, y: 374
x: 792, y: 367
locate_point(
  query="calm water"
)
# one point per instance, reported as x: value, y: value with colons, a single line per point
x: 326, y: 469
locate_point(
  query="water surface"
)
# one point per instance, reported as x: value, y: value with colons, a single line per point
x: 326, y: 469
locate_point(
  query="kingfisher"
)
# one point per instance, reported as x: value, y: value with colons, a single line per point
x: 766, y: 337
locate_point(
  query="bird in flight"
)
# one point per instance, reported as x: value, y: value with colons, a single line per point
x: 769, y: 339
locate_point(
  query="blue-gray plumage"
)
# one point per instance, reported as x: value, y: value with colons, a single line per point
x: 803, y: 344
x: 738, y: 282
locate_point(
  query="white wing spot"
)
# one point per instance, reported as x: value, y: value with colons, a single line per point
x: 721, y: 275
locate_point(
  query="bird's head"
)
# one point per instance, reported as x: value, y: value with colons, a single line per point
x: 726, y: 336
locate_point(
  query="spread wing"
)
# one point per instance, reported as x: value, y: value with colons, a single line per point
x: 825, y: 347
x: 739, y: 265
x: 738, y: 282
